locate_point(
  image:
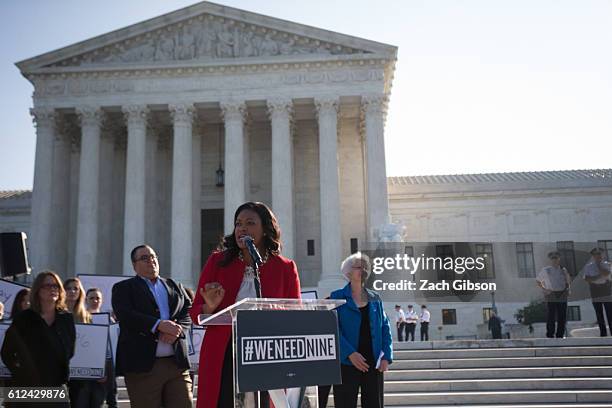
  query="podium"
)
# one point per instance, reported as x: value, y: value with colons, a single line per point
x: 282, y: 349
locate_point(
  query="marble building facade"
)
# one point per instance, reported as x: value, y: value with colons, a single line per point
x: 132, y: 125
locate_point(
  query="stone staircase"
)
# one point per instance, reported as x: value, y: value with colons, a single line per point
x: 527, y: 373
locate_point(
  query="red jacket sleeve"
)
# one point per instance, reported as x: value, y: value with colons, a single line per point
x: 293, y: 290
x: 208, y: 275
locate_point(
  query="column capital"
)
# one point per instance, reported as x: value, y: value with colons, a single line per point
x: 135, y: 114
x: 182, y: 113
x: 280, y: 107
x: 233, y: 110
x: 67, y: 129
x: 374, y: 103
x: 90, y: 115
x: 326, y: 105
x: 43, y: 117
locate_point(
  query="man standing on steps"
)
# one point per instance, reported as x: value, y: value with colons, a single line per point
x: 424, y: 318
x: 554, y: 280
x: 400, y: 323
x: 597, y: 274
x: 153, y: 314
x: 411, y: 321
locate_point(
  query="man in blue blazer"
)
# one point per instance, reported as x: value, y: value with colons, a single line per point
x: 153, y: 322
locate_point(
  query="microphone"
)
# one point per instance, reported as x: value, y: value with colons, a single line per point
x: 250, y: 244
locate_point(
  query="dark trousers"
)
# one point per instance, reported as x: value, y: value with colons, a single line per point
x: 557, y: 313
x: 226, y: 391
x: 424, y: 331
x: 371, y: 384
x: 323, y: 394
x: 111, y: 385
x: 400, y: 331
x: 91, y: 395
x: 410, y: 329
x: 601, y: 320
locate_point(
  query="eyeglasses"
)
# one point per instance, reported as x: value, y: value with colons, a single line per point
x: 146, y: 258
x: 93, y: 298
x: 50, y: 286
x: 72, y: 289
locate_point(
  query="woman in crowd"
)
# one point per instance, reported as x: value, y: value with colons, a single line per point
x: 228, y: 277
x: 365, y: 338
x: 75, y: 300
x: 83, y: 393
x: 40, y: 341
x: 93, y: 302
x: 21, y: 302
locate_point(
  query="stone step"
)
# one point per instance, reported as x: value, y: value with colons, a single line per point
x: 480, y: 385
x: 518, y: 384
x: 494, y: 373
x: 504, y: 343
x: 495, y: 397
x: 502, y: 352
x: 542, y: 405
x: 502, y: 362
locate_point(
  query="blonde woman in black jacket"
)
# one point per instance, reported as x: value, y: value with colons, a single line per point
x: 40, y: 342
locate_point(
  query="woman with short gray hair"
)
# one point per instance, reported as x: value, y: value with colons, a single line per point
x: 365, y: 338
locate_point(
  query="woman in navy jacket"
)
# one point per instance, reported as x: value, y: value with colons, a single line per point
x: 365, y: 338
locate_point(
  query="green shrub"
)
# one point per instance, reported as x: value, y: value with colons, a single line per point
x: 535, y: 312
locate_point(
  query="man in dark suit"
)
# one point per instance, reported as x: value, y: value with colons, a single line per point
x: 153, y: 321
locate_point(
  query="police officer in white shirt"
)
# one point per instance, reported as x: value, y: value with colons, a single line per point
x: 554, y: 280
x: 411, y: 321
x: 597, y: 274
x: 424, y: 318
x: 400, y: 323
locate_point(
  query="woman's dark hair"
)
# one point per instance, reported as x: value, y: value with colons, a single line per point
x: 16, y: 308
x: 271, y: 231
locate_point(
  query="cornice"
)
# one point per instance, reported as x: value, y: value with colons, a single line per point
x: 242, y: 65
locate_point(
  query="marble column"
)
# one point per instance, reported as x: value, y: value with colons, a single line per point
x: 135, y: 182
x: 331, y: 237
x: 61, y: 196
x: 196, y: 266
x: 40, y: 221
x: 106, y: 238
x: 234, y: 114
x: 87, y: 209
x: 280, y: 111
x: 182, y: 199
x: 377, y: 210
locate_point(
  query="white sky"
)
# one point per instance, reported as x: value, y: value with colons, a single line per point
x: 480, y: 85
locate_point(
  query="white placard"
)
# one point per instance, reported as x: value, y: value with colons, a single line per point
x: 105, y: 284
x: 4, y: 371
x: 113, y: 335
x: 100, y: 318
x: 309, y: 294
x: 8, y: 291
x: 90, y: 352
x: 196, y: 335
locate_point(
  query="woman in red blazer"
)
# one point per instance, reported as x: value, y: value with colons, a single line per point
x: 226, y: 278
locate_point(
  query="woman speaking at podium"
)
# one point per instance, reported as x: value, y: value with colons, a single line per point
x: 227, y: 278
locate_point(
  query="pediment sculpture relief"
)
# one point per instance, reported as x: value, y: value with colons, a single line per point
x: 207, y: 38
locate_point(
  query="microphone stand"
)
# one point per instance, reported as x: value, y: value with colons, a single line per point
x: 256, y: 261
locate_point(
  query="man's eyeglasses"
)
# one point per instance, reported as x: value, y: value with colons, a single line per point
x: 50, y: 286
x: 146, y: 258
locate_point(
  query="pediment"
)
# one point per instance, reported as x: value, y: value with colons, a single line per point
x: 205, y: 32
